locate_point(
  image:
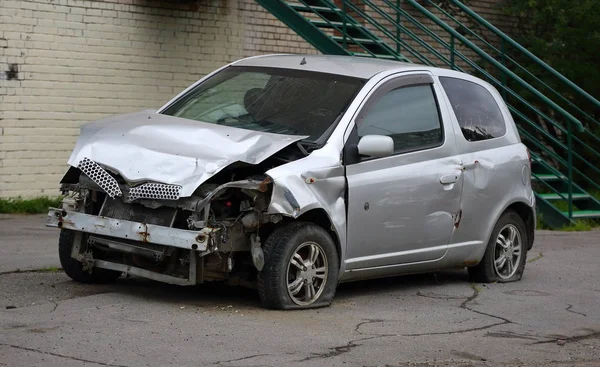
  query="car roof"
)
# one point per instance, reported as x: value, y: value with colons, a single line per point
x: 355, y: 66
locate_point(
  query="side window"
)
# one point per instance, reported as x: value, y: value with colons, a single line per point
x: 409, y: 115
x: 475, y: 108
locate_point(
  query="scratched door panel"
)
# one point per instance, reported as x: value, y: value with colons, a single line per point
x: 489, y: 187
x: 398, y: 211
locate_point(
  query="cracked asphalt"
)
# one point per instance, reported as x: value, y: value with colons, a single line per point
x: 550, y: 318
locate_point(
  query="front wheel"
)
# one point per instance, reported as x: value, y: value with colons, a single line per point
x: 301, y: 268
x: 74, y: 269
x: 506, y: 254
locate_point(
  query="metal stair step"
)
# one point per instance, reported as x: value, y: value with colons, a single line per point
x: 379, y: 56
x: 324, y: 24
x: 548, y: 177
x: 584, y: 213
x: 368, y: 41
x: 312, y: 8
x: 565, y: 195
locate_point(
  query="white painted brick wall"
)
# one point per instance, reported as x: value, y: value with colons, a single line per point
x: 81, y: 60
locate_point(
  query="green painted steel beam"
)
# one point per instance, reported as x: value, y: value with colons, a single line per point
x: 304, y: 28
x: 497, y: 64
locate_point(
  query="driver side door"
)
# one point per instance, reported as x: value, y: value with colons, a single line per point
x: 402, y: 207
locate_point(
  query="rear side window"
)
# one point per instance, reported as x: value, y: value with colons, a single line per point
x: 475, y: 108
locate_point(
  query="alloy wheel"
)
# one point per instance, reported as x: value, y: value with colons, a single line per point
x: 307, y: 273
x: 508, y: 251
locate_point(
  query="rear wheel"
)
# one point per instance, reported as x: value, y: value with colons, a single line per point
x: 301, y: 268
x: 74, y: 269
x: 506, y: 254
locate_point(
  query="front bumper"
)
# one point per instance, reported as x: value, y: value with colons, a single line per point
x: 124, y: 229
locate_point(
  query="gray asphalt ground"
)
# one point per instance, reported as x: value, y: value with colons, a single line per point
x: 550, y: 318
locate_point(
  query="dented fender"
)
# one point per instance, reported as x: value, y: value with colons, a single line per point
x: 314, y: 182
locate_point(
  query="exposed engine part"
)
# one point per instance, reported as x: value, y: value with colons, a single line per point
x: 230, y: 264
x: 258, y: 256
x: 236, y: 239
x: 199, y: 220
x: 71, y: 203
x: 275, y: 218
x: 188, y: 203
x: 208, y: 193
x: 252, y: 193
x: 241, y: 184
x: 87, y: 183
x: 195, y: 223
x: 246, y: 205
x: 250, y: 221
x: 224, y: 234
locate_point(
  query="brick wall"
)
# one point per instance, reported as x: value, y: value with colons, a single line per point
x: 67, y: 62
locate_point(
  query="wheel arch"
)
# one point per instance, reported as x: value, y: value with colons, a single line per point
x: 527, y: 213
x: 525, y: 210
x: 317, y: 216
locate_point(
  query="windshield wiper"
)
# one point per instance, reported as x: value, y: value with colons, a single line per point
x: 320, y: 142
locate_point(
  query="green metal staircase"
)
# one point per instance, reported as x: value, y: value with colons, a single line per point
x: 560, y: 129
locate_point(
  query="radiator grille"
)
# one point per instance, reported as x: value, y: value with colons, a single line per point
x: 154, y: 191
x: 100, y: 177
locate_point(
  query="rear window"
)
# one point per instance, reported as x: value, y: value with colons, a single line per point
x: 475, y: 108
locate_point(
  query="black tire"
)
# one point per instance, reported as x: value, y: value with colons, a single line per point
x: 485, y: 271
x: 73, y: 268
x: 278, y: 249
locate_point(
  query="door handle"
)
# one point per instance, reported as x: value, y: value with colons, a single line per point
x: 449, y: 179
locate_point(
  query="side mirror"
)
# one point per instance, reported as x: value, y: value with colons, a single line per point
x: 376, y: 146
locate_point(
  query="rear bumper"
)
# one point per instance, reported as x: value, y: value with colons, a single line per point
x: 124, y: 229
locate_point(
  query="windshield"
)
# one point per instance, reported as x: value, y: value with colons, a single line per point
x: 281, y: 101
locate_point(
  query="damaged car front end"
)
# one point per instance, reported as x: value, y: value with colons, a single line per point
x: 186, y: 196
x: 180, y: 242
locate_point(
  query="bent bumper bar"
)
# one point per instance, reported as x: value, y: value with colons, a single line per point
x: 151, y: 233
x: 150, y: 274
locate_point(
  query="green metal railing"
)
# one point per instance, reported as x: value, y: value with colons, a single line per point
x: 556, y: 126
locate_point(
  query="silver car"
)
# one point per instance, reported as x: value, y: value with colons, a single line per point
x: 295, y: 173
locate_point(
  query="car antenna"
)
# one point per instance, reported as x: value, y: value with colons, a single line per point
x: 303, y: 62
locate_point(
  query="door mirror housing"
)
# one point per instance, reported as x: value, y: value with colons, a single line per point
x: 376, y: 146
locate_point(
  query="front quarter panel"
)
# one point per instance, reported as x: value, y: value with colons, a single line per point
x: 314, y: 182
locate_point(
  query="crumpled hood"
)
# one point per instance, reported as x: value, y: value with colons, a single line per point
x: 147, y: 146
